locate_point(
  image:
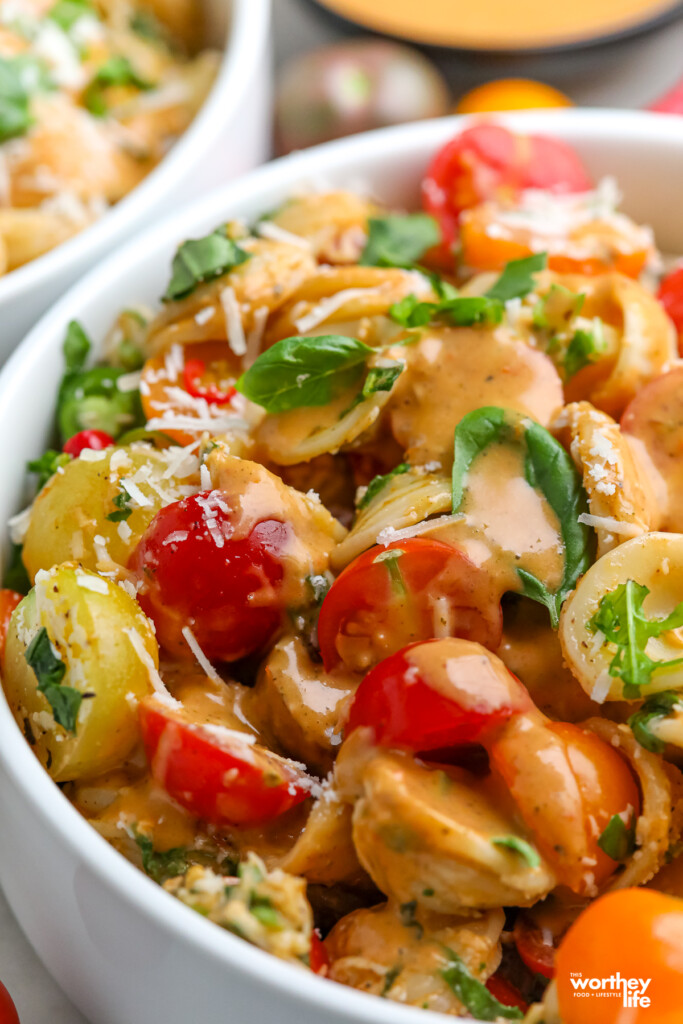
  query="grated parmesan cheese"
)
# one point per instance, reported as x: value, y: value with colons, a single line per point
x: 193, y: 644
x: 610, y: 523
x: 233, y: 321
x: 326, y: 307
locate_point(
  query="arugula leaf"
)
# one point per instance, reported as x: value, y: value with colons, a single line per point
x: 47, y: 465
x: 76, y: 347
x: 300, y: 373
x: 517, y: 278
x: 461, y: 310
x: 656, y: 707
x: 202, y: 259
x: 49, y: 670
x: 160, y: 866
x: 116, y: 70
x: 122, y: 503
x: 550, y: 470
x: 66, y: 13
x: 380, y: 481
x: 15, y: 114
x: 16, y: 577
x: 520, y: 846
x: 584, y: 348
x: 621, y: 618
x: 475, y: 996
x: 398, y: 240
x: 618, y: 841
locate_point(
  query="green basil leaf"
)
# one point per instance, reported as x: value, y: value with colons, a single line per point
x: 656, y: 707
x: 461, y: 311
x: 160, y: 866
x: 202, y: 259
x: 618, y: 841
x: 389, y: 978
x: 378, y: 482
x: 398, y: 240
x: 116, y: 70
x: 16, y: 577
x: 49, y: 670
x: 300, y: 373
x: 585, y: 348
x: 550, y: 470
x: 520, y: 846
x: 47, y: 465
x: 475, y: 996
x: 517, y: 278
x: 123, y: 510
x: 76, y: 347
x: 381, y: 378
x: 66, y: 13
x: 15, y: 114
x: 555, y: 310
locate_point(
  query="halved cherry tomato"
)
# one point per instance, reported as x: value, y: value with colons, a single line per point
x: 319, y: 958
x: 534, y: 945
x: 670, y: 295
x: 8, y: 1011
x: 488, y: 161
x: 94, y: 439
x: 197, y: 573
x: 506, y: 993
x: 166, y: 388
x: 213, y: 774
x: 9, y: 599
x: 634, y: 935
x: 410, y: 590
x: 435, y: 695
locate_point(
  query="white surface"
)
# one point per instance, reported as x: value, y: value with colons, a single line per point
x: 125, y: 951
x: 230, y: 135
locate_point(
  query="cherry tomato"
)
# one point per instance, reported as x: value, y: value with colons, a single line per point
x: 435, y: 695
x: 9, y: 599
x: 511, y: 94
x: 632, y: 934
x: 671, y: 102
x: 8, y: 1011
x: 213, y: 774
x: 506, y: 993
x: 534, y: 945
x: 489, y: 162
x: 319, y: 957
x: 670, y: 295
x: 410, y: 590
x: 201, y: 383
x: 95, y: 439
x: 197, y: 573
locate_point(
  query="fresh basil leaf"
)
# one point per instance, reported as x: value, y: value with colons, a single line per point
x: 123, y: 510
x: 398, y: 240
x: 517, y: 278
x: 555, y: 310
x: 618, y: 841
x: 76, y: 347
x: 16, y: 577
x: 298, y: 373
x: 378, y: 482
x: 550, y: 470
x: 15, y: 113
x: 66, y: 13
x: 381, y: 378
x: 520, y: 846
x: 622, y: 620
x: 585, y: 348
x: 49, y: 670
x: 160, y: 866
x: 475, y: 996
x: 202, y: 259
x: 657, y: 707
x: 461, y: 311
x: 116, y: 70
x: 47, y: 465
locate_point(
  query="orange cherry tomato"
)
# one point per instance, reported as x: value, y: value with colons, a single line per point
x: 511, y: 94
x: 622, y: 961
x: 8, y: 1011
x: 506, y: 993
x: 214, y: 775
x: 410, y: 590
x: 670, y: 295
x: 9, y: 599
x: 319, y: 958
x: 189, y: 382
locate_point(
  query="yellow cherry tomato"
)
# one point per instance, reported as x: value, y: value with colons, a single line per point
x: 511, y: 94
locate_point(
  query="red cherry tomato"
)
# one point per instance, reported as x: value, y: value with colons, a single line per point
x: 196, y: 573
x: 435, y: 695
x: 95, y: 439
x: 489, y: 162
x: 506, y: 993
x: 8, y: 1011
x: 670, y: 295
x: 535, y: 946
x: 213, y: 774
x: 410, y: 590
x: 319, y: 957
x: 9, y: 599
x: 671, y: 102
x: 201, y: 384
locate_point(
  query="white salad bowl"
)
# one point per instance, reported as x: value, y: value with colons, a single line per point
x: 124, y: 950
x: 229, y: 135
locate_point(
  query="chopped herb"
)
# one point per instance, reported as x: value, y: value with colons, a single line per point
x: 555, y: 310
x: 146, y: 25
x: 462, y: 311
x: 129, y: 355
x: 475, y: 996
x: 160, y: 866
x: 202, y: 259
x: 398, y: 240
x: 617, y: 840
x: 407, y: 913
x: 620, y: 617
x: 15, y: 114
x: 427, y: 892
x: 16, y: 577
x: 49, y: 670
x: 390, y: 558
x: 116, y: 70
x: 517, y: 278
x: 261, y: 907
x: 379, y: 482
x: 657, y: 707
x: 585, y: 348
x: 47, y: 465
x: 122, y: 503
x: 76, y: 347
x: 381, y: 378
x: 390, y: 977
x: 520, y: 846
x: 66, y: 13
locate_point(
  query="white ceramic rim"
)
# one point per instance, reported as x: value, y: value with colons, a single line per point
x: 247, y: 32
x: 16, y: 759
